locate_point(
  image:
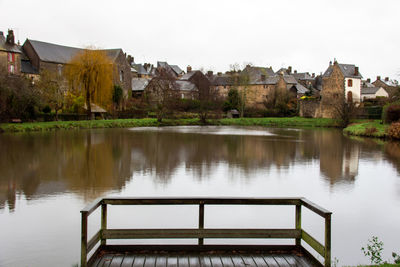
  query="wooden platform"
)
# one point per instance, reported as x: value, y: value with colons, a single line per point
x: 203, y: 260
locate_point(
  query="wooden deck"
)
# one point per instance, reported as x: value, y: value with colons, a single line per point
x: 204, y: 254
x: 203, y: 260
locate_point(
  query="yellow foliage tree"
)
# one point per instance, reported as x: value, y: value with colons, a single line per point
x: 90, y: 73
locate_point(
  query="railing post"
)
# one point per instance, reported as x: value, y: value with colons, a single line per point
x: 103, y: 223
x: 201, y: 220
x: 84, y: 239
x: 298, y: 223
x: 328, y: 240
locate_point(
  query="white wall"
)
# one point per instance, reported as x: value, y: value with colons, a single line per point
x: 355, y: 89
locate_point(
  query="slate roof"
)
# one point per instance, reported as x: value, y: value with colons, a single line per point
x: 49, y: 52
x: 347, y: 70
x: 302, y: 76
x: 218, y: 80
x: 9, y: 48
x: 289, y: 79
x: 26, y: 67
x: 389, y: 83
x: 140, y: 69
x: 256, y: 72
x: 187, y: 76
x: 139, y: 84
x: 177, y: 69
x: 370, y: 90
x: 186, y: 85
x: 300, y: 88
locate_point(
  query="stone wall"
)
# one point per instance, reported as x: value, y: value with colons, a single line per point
x: 121, y: 64
x: 332, y: 93
x: 309, y: 108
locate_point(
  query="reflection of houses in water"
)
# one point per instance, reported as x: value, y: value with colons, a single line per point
x: 8, y: 195
x: 339, y: 158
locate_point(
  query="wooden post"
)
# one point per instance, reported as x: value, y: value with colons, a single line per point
x: 298, y: 224
x: 103, y: 223
x: 201, y: 220
x: 84, y: 239
x: 328, y: 240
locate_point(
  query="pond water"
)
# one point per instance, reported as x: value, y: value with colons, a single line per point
x: 47, y: 178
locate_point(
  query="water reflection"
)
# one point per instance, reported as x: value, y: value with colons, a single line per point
x: 90, y: 163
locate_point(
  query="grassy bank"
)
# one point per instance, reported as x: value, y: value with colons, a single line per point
x: 372, y: 128
x: 147, y: 122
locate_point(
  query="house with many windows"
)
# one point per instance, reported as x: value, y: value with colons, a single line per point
x: 10, y: 53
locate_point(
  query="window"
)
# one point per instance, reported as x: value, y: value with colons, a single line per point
x: 11, y: 57
x: 349, y: 83
x: 183, y: 96
x: 11, y: 69
x: 121, y: 76
x: 59, y: 69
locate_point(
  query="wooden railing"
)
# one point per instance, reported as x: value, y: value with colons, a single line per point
x: 200, y: 233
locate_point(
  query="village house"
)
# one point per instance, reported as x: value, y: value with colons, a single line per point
x: 349, y: 76
x: 10, y: 53
x: 391, y: 86
x: 53, y: 58
x: 258, y: 83
x: 373, y: 92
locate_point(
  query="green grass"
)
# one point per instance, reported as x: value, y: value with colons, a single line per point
x: 147, y: 122
x: 380, y: 265
x: 372, y: 128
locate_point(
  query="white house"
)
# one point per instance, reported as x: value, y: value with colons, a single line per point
x: 352, y: 80
x: 373, y: 92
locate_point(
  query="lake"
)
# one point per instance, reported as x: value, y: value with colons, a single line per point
x: 47, y: 178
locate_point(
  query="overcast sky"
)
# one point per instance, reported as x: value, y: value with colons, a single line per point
x: 212, y: 34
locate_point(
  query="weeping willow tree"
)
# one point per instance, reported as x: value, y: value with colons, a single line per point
x: 90, y: 73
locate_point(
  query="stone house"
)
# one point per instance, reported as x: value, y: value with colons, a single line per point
x: 10, y: 53
x: 200, y: 87
x: 53, y: 58
x: 257, y: 83
x: 350, y: 78
x: 391, y: 86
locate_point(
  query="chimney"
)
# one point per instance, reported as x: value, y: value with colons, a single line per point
x: 295, y: 71
x: 313, y: 75
x: 188, y: 69
x: 263, y: 77
x: 289, y: 69
x: 386, y: 79
x: 378, y: 78
x: 368, y: 80
x: 130, y: 59
x: 210, y: 73
x: 219, y: 73
x: 356, y: 71
x: 330, y: 63
x: 10, y: 37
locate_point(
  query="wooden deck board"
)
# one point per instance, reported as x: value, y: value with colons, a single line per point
x: 200, y: 260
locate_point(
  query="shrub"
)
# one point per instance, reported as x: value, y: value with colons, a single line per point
x: 46, y: 109
x: 370, y: 130
x: 394, y: 130
x: 374, y: 250
x: 392, y: 113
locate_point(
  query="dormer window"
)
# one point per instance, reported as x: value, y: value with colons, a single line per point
x: 349, y: 83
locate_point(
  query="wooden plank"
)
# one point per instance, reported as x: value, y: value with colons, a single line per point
x: 128, y: 261
x: 248, y: 261
x: 161, y: 261
x: 259, y: 260
x: 93, y: 241
x: 226, y: 261
x: 298, y: 223
x: 216, y: 261
x: 117, y: 261
x: 271, y: 261
x: 281, y: 261
x: 150, y: 261
x: 291, y: 260
x: 301, y: 262
x: 172, y: 261
x: 84, y: 238
x: 328, y: 240
x: 103, y: 221
x: 105, y: 260
x: 194, y: 261
x: 96, y: 262
x: 92, y: 206
x: 313, y: 243
x: 205, y: 261
x: 197, y: 201
x: 139, y: 261
x: 200, y: 233
x: 201, y: 221
x: 314, y: 207
x: 183, y: 261
x: 238, y: 261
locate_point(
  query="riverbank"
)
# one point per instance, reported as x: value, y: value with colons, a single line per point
x: 149, y: 122
x: 371, y: 128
